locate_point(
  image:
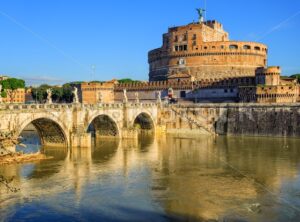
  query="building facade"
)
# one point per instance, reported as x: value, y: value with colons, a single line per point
x: 150, y: 91
x: 14, y: 96
x: 96, y: 92
x: 270, y: 88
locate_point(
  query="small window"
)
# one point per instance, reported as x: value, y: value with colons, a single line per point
x: 184, y: 37
x: 185, y: 47
x: 233, y: 47
x: 182, y: 94
x: 222, y: 47
x: 246, y: 47
x: 257, y: 48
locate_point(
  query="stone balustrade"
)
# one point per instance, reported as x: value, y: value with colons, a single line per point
x: 73, y: 105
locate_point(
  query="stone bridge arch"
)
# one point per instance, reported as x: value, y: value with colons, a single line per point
x: 103, y: 125
x: 51, y: 130
x: 144, y: 121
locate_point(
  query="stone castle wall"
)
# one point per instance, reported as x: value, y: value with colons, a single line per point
x: 213, y: 59
x: 236, y: 119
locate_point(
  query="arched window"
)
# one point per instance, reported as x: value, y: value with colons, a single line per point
x: 246, y: 47
x: 257, y: 48
x: 233, y: 47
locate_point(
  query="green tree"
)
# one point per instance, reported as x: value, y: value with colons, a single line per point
x: 39, y: 94
x: 57, y: 94
x: 128, y: 81
x: 67, y: 94
x: 297, y: 76
x: 9, y: 87
x: 13, y: 84
x: 3, y: 94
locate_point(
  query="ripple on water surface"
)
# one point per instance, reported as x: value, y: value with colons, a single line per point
x: 162, y: 179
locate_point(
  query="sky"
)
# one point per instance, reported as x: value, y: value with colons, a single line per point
x: 58, y: 41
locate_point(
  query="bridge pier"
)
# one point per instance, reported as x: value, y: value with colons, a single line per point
x: 129, y: 133
x: 81, y: 140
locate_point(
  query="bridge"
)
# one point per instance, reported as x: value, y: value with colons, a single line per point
x: 73, y: 125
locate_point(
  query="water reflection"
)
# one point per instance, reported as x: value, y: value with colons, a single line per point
x: 31, y: 139
x: 104, y: 149
x: 165, y: 179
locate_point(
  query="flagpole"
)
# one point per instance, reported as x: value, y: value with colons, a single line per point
x: 205, y: 10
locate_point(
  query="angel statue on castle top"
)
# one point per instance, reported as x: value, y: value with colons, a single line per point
x: 201, y: 12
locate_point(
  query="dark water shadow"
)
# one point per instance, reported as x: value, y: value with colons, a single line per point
x: 104, y: 149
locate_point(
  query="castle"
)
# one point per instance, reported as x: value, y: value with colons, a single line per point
x: 198, y: 62
x: 203, y: 51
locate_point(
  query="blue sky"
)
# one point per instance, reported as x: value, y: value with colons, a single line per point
x: 61, y: 40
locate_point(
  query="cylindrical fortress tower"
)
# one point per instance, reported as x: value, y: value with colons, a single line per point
x: 268, y: 76
x: 203, y: 51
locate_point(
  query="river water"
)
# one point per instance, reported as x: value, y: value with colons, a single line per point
x: 162, y: 179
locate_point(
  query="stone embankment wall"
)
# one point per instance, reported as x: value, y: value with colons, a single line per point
x: 235, y: 119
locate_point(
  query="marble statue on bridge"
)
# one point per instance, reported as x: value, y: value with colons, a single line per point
x: 159, y: 97
x: 100, y: 97
x: 75, y: 95
x: 49, y: 96
x: 137, y: 99
x: 125, y: 96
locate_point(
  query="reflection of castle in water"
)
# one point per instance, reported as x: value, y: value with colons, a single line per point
x: 192, y: 177
x: 208, y: 178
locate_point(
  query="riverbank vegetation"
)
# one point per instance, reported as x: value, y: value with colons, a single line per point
x: 7, y: 139
x: 60, y: 94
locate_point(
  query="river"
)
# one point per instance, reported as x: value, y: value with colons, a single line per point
x: 159, y: 179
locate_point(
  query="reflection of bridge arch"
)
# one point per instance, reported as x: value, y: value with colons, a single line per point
x: 51, y: 130
x: 103, y: 125
x: 144, y: 121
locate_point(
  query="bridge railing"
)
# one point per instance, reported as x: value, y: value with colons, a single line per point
x: 72, y: 105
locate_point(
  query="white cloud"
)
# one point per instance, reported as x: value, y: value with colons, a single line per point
x: 38, y: 80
